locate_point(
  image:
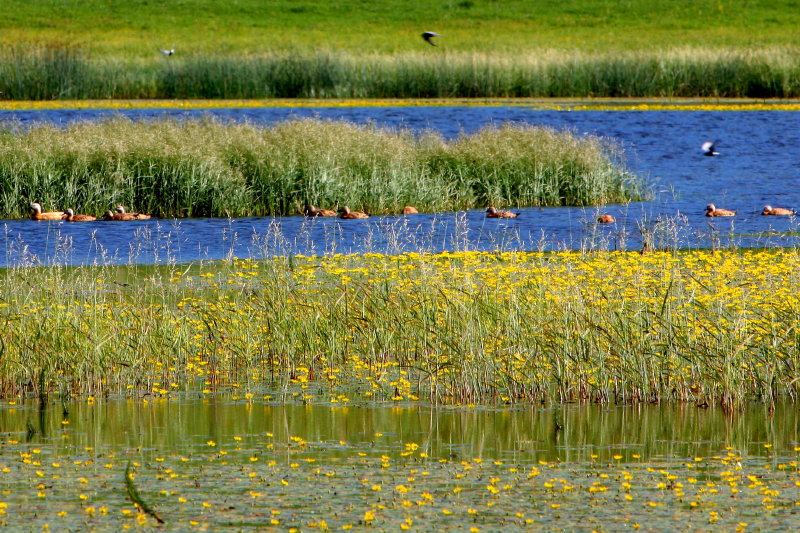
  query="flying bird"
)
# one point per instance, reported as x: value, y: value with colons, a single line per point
x: 167, y: 52
x: 709, y: 148
x: 428, y: 35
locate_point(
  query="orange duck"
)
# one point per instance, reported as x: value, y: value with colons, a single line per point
x: 110, y: 215
x: 500, y: 213
x: 312, y: 211
x: 70, y: 216
x: 410, y: 210
x: 137, y: 216
x: 769, y: 210
x: 346, y: 213
x: 47, y: 215
x: 606, y: 219
x: 713, y: 211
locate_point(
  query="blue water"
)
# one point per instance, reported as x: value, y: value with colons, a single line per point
x: 759, y: 164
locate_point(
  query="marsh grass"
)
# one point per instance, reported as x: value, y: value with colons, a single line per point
x: 43, y: 73
x: 206, y: 168
x: 705, y: 326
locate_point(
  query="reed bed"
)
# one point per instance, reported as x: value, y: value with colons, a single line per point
x: 206, y: 168
x: 70, y: 73
x: 702, y: 326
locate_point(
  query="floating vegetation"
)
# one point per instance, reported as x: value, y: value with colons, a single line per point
x: 259, y: 465
x: 176, y: 168
x: 49, y: 73
x: 701, y: 326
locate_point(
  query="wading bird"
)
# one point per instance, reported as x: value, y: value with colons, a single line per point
x: 500, y: 213
x: 712, y: 211
x: 167, y: 52
x: 709, y: 148
x: 47, y: 215
x: 769, y: 210
x: 346, y: 213
x: 70, y: 216
x: 429, y: 35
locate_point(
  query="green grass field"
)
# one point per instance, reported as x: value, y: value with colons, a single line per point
x: 137, y: 28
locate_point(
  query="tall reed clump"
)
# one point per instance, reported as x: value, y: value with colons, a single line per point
x: 32, y: 73
x: 708, y: 327
x: 206, y: 168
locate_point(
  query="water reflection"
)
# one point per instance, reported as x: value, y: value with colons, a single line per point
x: 523, y: 433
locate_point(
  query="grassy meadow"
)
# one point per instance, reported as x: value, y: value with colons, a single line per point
x: 137, y: 29
x: 359, y: 49
x: 704, y: 326
x: 205, y: 168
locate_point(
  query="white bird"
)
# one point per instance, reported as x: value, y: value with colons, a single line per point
x: 428, y: 35
x: 167, y: 52
x: 709, y: 148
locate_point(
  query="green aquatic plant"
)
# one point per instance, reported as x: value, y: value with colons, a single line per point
x: 205, y: 168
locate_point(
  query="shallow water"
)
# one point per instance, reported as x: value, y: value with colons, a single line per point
x: 219, y: 461
x: 758, y: 165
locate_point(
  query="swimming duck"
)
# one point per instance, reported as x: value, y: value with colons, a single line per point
x: 346, y: 213
x: 137, y: 216
x: 410, y: 210
x: 47, y: 215
x: 712, y: 211
x: 606, y: 219
x: 110, y: 215
x: 500, y: 213
x: 70, y: 216
x: 312, y: 211
x: 769, y: 210
x: 709, y: 148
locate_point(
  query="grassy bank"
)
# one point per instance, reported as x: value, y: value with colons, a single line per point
x: 45, y: 73
x: 708, y: 327
x: 205, y: 168
x: 138, y: 28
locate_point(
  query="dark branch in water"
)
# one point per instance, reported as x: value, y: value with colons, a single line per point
x: 133, y: 494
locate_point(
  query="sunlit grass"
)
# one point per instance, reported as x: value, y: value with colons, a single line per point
x: 46, y: 73
x: 708, y: 327
x: 174, y: 168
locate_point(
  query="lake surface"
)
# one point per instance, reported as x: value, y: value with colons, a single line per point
x: 209, y: 462
x: 758, y: 165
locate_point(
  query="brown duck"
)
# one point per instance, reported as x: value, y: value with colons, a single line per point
x: 346, y: 213
x: 70, y: 216
x: 311, y: 211
x: 500, y: 213
x: 137, y: 216
x: 713, y: 211
x: 606, y: 219
x: 769, y: 210
x: 47, y: 215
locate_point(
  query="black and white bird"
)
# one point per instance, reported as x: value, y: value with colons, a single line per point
x: 428, y: 35
x: 709, y: 148
x: 167, y: 52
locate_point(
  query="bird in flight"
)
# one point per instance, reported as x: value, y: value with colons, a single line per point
x: 167, y: 52
x: 428, y: 35
x: 709, y: 148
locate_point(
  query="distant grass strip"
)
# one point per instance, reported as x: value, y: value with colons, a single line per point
x: 205, y: 168
x: 556, y: 104
x: 30, y: 73
x: 703, y: 326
